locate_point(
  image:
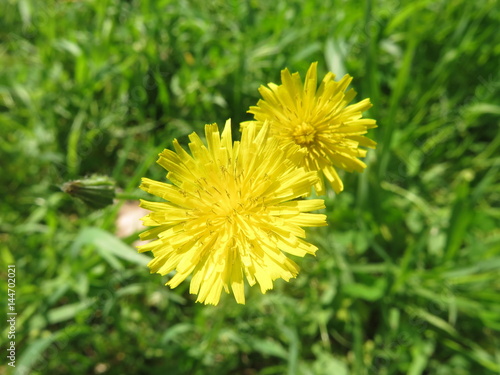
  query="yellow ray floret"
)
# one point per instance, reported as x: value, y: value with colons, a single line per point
x: 319, y: 121
x: 231, y: 212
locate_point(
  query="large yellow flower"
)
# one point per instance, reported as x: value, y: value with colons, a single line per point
x: 232, y: 211
x: 319, y: 121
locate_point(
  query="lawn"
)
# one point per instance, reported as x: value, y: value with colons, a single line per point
x: 407, y: 276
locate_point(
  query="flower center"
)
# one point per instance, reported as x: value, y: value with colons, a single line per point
x: 229, y: 205
x: 304, y: 134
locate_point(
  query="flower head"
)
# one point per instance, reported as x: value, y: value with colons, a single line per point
x: 319, y: 121
x: 231, y: 212
x: 95, y: 191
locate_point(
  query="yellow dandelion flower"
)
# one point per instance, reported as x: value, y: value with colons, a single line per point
x: 319, y: 121
x: 231, y: 212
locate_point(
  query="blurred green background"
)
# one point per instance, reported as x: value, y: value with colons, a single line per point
x: 407, y: 277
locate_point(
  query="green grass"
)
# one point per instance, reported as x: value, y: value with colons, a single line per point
x: 407, y: 278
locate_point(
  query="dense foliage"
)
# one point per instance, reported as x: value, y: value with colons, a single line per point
x: 406, y: 280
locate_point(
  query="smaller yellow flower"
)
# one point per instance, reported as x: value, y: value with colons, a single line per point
x: 233, y: 211
x: 319, y: 121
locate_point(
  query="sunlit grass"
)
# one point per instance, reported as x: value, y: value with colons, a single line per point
x: 406, y: 279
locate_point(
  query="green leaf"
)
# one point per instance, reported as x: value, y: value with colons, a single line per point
x: 269, y: 347
x: 367, y: 292
x: 32, y: 354
x: 66, y: 312
x: 421, y: 353
x: 459, y: 220
x: 109, y: 246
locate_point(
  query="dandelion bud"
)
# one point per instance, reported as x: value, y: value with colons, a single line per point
x: 95, y: 191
